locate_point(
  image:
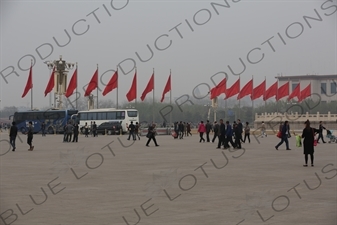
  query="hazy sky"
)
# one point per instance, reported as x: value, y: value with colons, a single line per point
x: 120, y: 29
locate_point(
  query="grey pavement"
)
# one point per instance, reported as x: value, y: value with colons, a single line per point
x: 109, y: 180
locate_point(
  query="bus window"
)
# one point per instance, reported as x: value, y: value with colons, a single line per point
x: 111, y: 115
x: 132, y: 113
x: 101, y: 116
x: 120, y: 115
x: 92, y: 116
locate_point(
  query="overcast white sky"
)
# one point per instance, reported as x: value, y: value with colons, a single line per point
x: 208, y: 49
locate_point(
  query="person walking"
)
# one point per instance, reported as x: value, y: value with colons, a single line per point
x: 181, y: 130
x: 247, y: 133
x: 94, y: 129
x: 284, y: 136
x: 86, y: 130
x: 69, y: 131
x: 320, y: 133
x: 229, y: 136
x: 188, y: 128
x: 202, y: 130
x: 13, y: 132
x: 208, y: 130
x: 43, y: 129
x: 131, y: 129
x: 308, y: 143
x: 137, y: 130
x: 263, y: 130
x: 30, y: 136
x: 215, y: 131
x: 240, y: 128
x: 221, y: 134
x: 76, y: 131
x: 237, y: 134
x: 151, y: 135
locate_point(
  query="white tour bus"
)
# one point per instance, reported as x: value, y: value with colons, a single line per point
x: 124, y: 116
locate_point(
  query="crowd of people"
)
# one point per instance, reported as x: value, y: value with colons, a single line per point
x: 227, y: 134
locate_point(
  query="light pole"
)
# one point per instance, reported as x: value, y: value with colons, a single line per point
x: 60, y: 77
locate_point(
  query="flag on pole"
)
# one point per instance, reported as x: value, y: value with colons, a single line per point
x: 51, y: 83
x: 306, y: 92
x: 219, y: 89
x: 167, y: 88
x: 72, y: 85
x: 113, y: 83
x: 149, y: 87
x: 233, y: 90
x: 93, y: 84
x: 259, y: 91
x: 29, y: 84
x: 296, y: 93
x: 282, y: 91
x: 246, y: 90
x: 132, y: 94
x: 271, y: 91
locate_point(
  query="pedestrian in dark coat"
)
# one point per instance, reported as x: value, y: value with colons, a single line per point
x: 13, y: 132
x: 320, y: 133
x: 216, y: 131
x: 75, y: 138
x: 229, y: 136
x: 151, y: 135
x: 284, y: 137
x: 208, y: 130
x: 308, y: 143
x: 221, y: 133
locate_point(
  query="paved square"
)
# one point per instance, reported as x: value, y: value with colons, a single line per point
x: 109, y: 180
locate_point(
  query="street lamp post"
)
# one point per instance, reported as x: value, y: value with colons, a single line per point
x: 61, y: 71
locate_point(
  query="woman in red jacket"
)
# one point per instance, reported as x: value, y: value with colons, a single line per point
x: 202, y: 130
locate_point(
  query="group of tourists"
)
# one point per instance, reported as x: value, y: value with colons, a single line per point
x: 182, y: 129
x: 134, y: 131
x: 225, y: 132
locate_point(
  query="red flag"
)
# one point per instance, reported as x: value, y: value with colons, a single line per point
x: 246, y: 90
x: 72, y: 85
x: 306, y: 92
x: 149, y: 87
x: 132, y: 94
x: 296, y: 93
x: 259, y: 91
x: 282, y: 91
x: 113, y: 83
x: 29, y: 84
x: 219, y: 89
x: 233, y: 90
x: 93, y: 84
x: 270, y: 92
x: 51, y: 83
x: 166, y: 89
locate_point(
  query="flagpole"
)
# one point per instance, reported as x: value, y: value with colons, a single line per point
x: 97, y: 88
x: 136, y: 88
x: 239, y: 99
x: 264, y: 94
x: 117, y: 90
x: 76, y: 86
x: 170, y: 99
x: 253, y: 97
x: 153, y: 99
x: 31, y: 91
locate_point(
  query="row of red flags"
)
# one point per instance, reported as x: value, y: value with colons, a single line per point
x: 248, y: 89
x: 260, y: 91
x: 93, y: 84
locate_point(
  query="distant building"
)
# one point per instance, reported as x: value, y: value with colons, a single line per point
x: 323, y: 87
